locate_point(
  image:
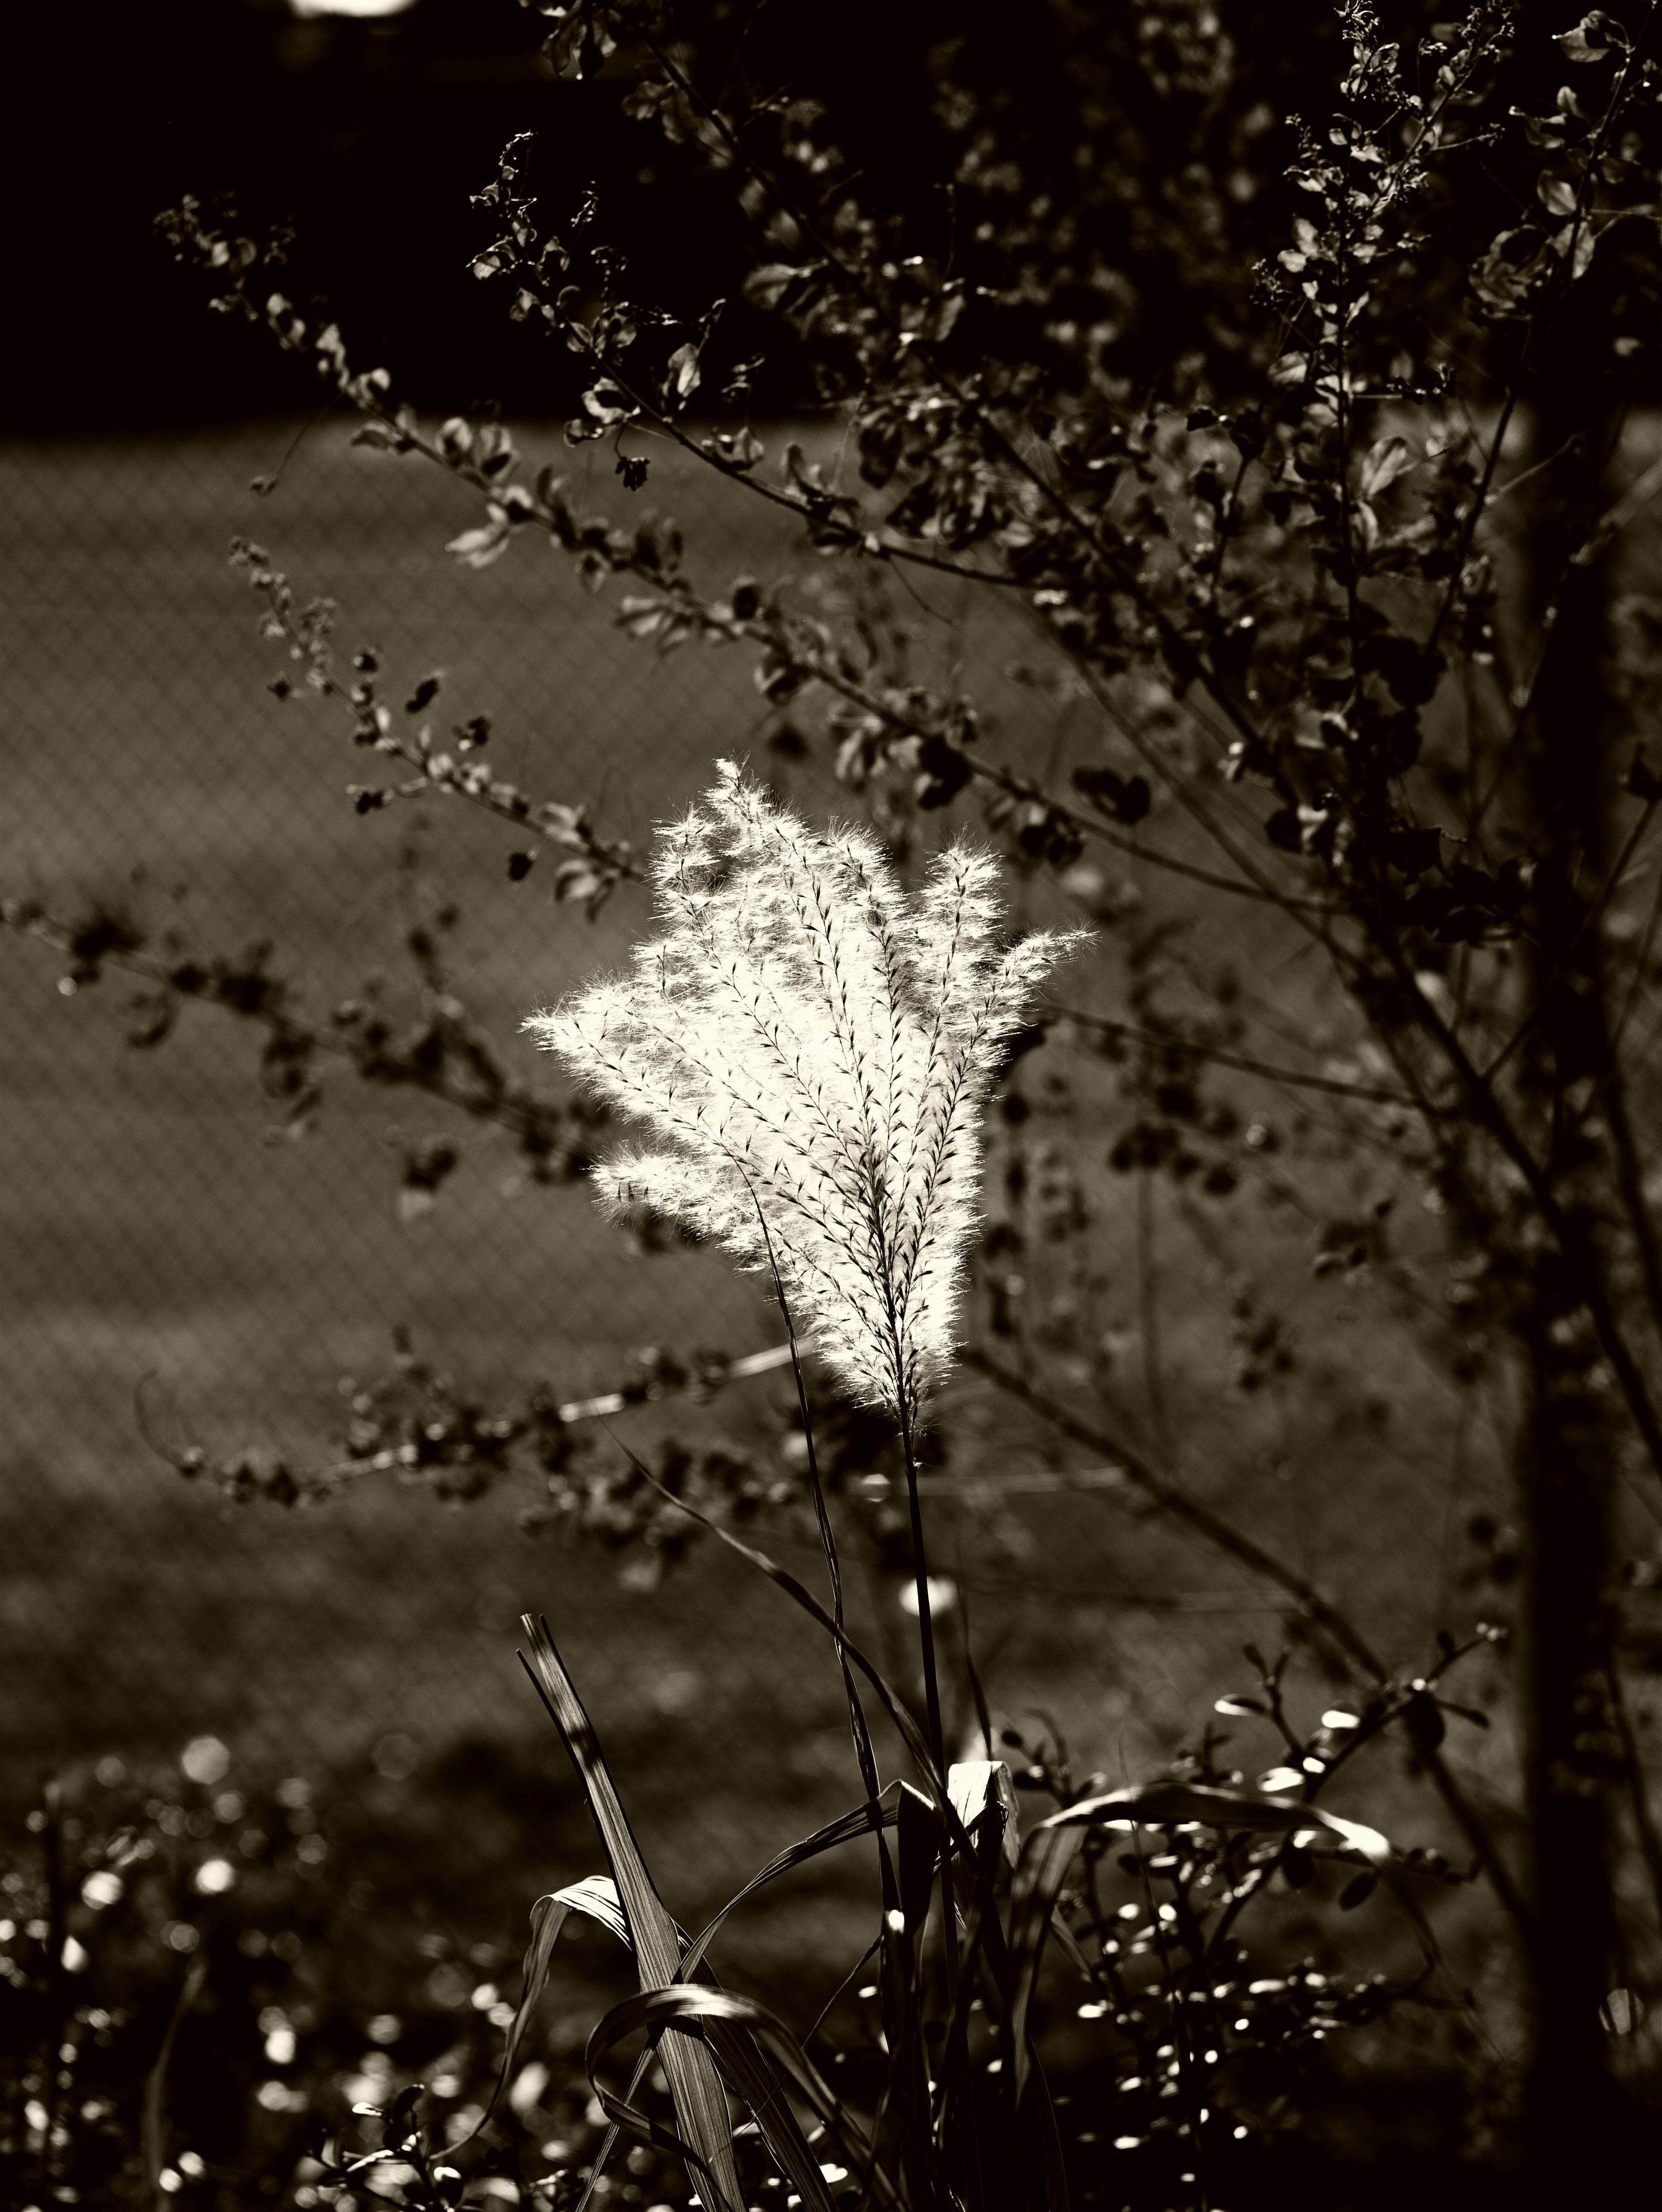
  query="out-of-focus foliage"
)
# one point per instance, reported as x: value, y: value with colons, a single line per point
x: 203, y: 1975
x: 1282, y: 447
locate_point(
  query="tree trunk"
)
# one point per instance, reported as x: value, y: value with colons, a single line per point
x: 1574, y: 1425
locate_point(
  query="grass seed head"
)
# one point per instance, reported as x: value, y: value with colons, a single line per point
x: 811, y: 1047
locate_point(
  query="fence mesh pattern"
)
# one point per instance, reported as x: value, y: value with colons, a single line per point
x: 172, y: 1259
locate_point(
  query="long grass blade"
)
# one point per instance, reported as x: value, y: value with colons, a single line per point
x: 880, y: 1814
x: 697, y: 2008
x: 1045, y: 1858
x: 911, y: 1735
x: 900, y: 1994
x: 918, y: 1849
x: 152, y: 2137
x: 700, y: 2104
x: 741, y: 2062
x: 745, y: 2067
x: 595, y: 1895
x: 969, y: 2108
x: 746, y: 2073
x: 1037, y: 2113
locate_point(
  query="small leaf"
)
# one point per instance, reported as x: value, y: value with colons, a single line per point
x: 1594, y: 39
x: 745, y: 598
x: 1126, y: 798
x: 1577, y: 240
x: 577, y: 880
x: 1383, y: 463
x: 683, y: 372
x: 478, y: 549
x: 766, y: 286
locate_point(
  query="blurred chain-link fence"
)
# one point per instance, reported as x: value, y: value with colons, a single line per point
x: 177, y: 1260
x: 172, y: 1257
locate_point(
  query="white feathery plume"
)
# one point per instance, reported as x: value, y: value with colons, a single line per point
x: 812, y: 1049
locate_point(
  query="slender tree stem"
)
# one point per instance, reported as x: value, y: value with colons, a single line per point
x: 1320, y: 1611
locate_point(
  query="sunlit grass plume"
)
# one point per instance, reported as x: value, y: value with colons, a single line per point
x: 811, y: 1047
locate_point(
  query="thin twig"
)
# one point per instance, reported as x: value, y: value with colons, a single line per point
x: 1365, y: 1093
x: 1148, y: 1316
x: 1650, y: 1840
x: 1320, y: 1611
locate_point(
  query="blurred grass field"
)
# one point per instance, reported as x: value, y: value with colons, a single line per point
x: 152, y: 1237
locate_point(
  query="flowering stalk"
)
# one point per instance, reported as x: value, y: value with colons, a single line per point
x: 812, y: 1048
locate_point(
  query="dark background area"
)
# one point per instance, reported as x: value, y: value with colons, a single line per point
x: 367, y: 136
x: 144, y: 685
x: 370, y: 136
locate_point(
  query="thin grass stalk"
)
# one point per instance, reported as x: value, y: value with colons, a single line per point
x: 153, y: 2119
x: 931, y: 1691
x: 857, y: 1723
x: 901, y: 1995
x: 889, y: 1979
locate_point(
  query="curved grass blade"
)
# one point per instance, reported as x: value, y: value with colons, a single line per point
x: 700, y: 2103
x: 919, y: 1852
x: 694, y: 2008
x: 745, y: 2069
x: 863, y: 1819
x: 911, y: 1735
x: 1030, y: 2105
x: 969, y: 2109
x: 154, y: 2123
x: 743, y: 2065
x: 594, y: 1895
x: 730, y: 2048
